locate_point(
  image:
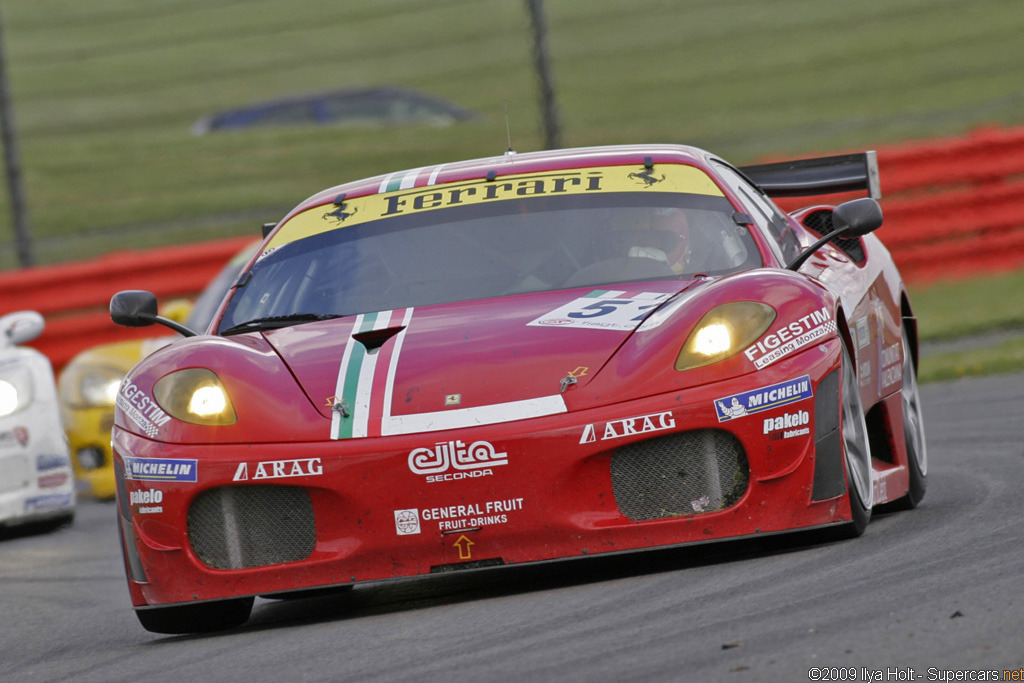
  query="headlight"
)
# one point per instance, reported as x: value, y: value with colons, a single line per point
x: 195, y: 395
x: 15, y: 390
x: 91, y: 386
x: 98, y: 389
x: 724, y: 331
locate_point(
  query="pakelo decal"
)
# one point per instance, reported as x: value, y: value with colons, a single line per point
x: 787, y: 425
x: 146, y: 502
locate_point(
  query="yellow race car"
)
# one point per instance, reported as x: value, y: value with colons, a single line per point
x: 88, y: 384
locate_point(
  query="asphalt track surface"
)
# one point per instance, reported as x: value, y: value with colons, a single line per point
x: 939, y: 590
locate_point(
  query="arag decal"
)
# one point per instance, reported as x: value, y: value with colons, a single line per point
x: 617, y: 429
x: 279, y: 469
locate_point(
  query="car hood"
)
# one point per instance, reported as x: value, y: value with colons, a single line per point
x: 462, y: 364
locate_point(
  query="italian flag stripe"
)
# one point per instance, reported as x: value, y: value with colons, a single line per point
x: 348, y: 378
x: 400, y: 180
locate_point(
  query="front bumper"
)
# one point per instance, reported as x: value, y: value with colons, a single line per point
x: 205, y: 522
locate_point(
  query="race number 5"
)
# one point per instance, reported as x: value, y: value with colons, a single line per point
x: 610, y: 312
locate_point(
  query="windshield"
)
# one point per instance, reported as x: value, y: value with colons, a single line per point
x: 488, y: 249
x: 208, y: 302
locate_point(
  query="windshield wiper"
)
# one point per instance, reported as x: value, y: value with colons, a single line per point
x: 277, y: 321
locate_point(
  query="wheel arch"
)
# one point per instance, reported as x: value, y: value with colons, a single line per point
x: 909, y: 323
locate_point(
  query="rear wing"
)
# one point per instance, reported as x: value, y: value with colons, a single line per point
x: 822, y: 175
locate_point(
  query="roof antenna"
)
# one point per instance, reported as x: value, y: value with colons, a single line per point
x: 508, y: 131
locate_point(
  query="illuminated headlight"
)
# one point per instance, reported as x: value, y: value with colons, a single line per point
x: 91, y: 386
x: 724, y: 331
x: 8, y: 398
x: 195, y: 395
x: 15, y: 391
x: 90, y: 457
x: 99, y: 389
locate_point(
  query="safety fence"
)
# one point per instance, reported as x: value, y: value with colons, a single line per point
x: 74, y: 298
x: 953, y: 208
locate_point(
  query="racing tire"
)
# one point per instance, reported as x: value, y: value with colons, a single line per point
x: 202, y: 617
x: 913, y: 432
x: 856, y: 451
x: 51, y: 525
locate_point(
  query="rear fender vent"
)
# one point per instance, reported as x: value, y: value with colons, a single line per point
x: 821, y: 223
x: 829, y: 475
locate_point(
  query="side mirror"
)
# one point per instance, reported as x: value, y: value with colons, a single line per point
x: 133, y: 308
x: 176, y: 310
x: 857, y: 217
x: 20, y: 327
x: 138, y: 308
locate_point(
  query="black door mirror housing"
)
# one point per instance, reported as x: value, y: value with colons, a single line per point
x: 857, y: 217
x: 138, y: 308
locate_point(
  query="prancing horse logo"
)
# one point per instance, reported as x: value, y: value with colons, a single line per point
x: 339, y: 215
x: 646, y: 177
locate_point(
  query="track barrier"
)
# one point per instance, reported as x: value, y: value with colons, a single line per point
x: 954, y: 208
x: 74, y: 298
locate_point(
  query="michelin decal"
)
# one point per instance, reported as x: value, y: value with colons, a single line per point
x: 766, y: 398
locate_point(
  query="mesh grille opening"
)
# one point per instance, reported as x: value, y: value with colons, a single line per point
x: 681, y: 474
x: 238, y: 527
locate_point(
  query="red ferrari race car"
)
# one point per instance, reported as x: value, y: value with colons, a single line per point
x: 518, y: 359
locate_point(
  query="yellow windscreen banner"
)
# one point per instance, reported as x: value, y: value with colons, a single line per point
x: 592, y: 180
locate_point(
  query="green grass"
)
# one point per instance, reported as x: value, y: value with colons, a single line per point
x: 1002, y: 358
x: 106, y: 91
x: 105, y: 94
x: 962, y: 308
x: 971, y: 309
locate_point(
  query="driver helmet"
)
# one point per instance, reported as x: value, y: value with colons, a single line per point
x: 662, y: 235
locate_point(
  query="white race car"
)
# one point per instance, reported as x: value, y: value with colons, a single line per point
x: 36, y: 482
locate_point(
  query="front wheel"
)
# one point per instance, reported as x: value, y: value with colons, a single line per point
x: 913, y: 432
x: 202, y: 617
x: 856, y: 451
